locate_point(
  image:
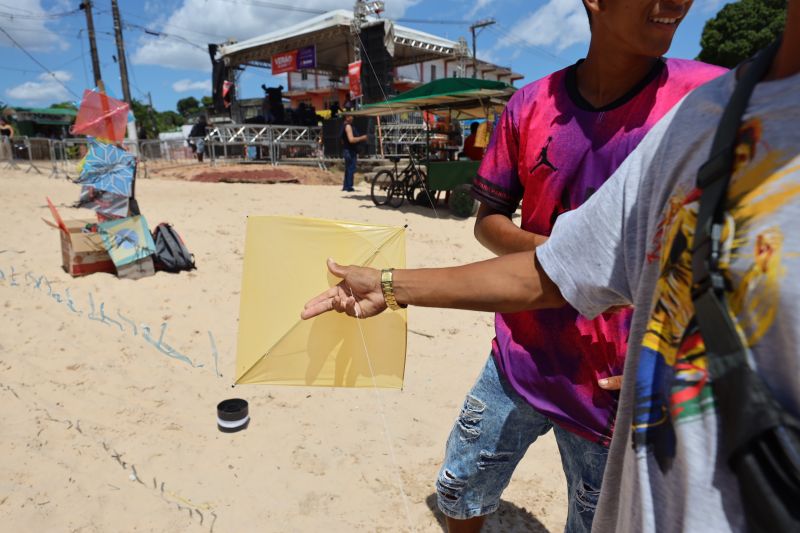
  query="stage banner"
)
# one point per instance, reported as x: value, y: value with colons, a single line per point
x: 294, y: 60
x: 307, y: 57
x: 354, y: 74
x: 286, y: 62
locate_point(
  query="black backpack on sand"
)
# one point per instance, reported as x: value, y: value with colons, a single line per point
x: 171, y: 254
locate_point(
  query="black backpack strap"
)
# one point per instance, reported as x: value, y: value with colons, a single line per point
x: 746, y: 407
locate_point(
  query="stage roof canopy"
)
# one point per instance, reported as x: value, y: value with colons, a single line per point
x: 331, y: 33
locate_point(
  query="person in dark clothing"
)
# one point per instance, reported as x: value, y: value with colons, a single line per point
x: 350, y: 141
x: 6, y: 134
x: 6, y: 129
x: 197, y: 138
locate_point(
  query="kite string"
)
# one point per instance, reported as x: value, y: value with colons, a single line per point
x: 386, y: 432
x: 386, y: 100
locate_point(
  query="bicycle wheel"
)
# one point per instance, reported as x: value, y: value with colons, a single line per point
x: 382, y: 187
x: 397, y: 195
x: 417, y: 189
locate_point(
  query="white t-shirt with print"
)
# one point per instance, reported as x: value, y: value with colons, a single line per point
x: 630, y: 243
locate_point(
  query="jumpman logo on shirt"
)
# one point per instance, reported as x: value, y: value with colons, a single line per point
x: 542, y: 159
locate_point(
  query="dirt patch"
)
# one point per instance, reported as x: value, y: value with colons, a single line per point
x: 247, y: 174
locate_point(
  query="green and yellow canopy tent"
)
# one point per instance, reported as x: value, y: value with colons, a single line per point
x: 462, y: 98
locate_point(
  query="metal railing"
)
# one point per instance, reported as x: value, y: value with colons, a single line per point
x: 273, y: 143
x: 233, y: 143
x: 21, y: 152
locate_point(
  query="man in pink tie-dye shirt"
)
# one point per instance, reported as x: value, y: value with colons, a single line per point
x: 559, y: 139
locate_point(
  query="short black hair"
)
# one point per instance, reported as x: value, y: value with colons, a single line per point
x: 474, y: 127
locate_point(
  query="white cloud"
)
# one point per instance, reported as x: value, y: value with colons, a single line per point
x: 60, y: 75
x: 215, y: 21
x: 31, y: 33
x: 47, y: 89
x: 186, y: 85
x: 558, y: 24
x: 480, y: 4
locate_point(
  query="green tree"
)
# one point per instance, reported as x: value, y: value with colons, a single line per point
x: 188, y: 106
x: 207, y: 102
x: 64, y: 105
x: 169, y: 121
x: 740, y: 29
x: 155, y: 122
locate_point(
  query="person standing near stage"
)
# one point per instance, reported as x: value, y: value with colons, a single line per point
x: 350, y: 142
x: 6, y: 134
x: 197, y: 137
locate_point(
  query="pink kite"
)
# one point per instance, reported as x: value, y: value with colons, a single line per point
x: 102, y: 117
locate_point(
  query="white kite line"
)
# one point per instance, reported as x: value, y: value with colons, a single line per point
x: 387, y: 433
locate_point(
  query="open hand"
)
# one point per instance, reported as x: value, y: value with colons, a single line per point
x: 358, y: 295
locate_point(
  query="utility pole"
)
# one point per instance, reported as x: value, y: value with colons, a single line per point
x: 98, y: 78
x: 478, y: 25
x: 150, y: 112
x: 123, y: 67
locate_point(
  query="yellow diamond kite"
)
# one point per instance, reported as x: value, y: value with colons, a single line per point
x: 284, y: 265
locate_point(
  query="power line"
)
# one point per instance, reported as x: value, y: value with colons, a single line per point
x: 168, y: 25
x: 428, y: 21
x: 37, y: 62
x: 154, y: 33
x: 43, y: 16
x: 19, y: 8
x: 516, y: 39
x: 275, y: 5
x: 19, y: 70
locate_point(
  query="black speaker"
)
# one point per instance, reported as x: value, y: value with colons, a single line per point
x: 376, y: 65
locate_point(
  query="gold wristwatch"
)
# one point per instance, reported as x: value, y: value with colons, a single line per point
x: 388, y: 289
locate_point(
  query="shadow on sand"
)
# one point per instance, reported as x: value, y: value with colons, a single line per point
x: 508, y: 519
x: 442, y: 211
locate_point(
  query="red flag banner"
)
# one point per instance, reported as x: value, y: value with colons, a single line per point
x: 354, y: 75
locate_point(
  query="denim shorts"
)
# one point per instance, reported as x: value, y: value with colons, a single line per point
x: 493, y: 431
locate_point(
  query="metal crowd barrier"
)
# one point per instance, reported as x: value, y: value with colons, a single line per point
x: 19, y: 152
x: 260, y: 142
x: 233, y: 143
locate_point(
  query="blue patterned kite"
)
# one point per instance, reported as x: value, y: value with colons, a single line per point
x: 108, y: 205
x: 127, y: 240
x: 108, y: 168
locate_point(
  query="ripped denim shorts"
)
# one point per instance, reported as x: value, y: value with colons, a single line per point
x: 491, y: 435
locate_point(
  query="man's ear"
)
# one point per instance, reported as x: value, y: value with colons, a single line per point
x: 592, y: 7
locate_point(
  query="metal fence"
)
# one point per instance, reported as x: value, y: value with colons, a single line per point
x: 275, y: 144
x: 402, y: 132
x: 228, y: 144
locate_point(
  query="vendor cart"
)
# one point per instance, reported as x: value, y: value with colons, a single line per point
x: 438, y: 170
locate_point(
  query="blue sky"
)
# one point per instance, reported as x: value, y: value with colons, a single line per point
x: 534, y: 37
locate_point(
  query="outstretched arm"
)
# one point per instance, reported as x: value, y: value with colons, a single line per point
x: 509, y: 283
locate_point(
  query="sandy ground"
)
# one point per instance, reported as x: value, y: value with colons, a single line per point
x: 104, y: 432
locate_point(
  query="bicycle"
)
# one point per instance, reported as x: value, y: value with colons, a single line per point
x: 393, y: 187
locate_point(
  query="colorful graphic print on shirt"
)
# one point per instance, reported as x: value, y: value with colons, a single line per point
x: 672, y: 379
